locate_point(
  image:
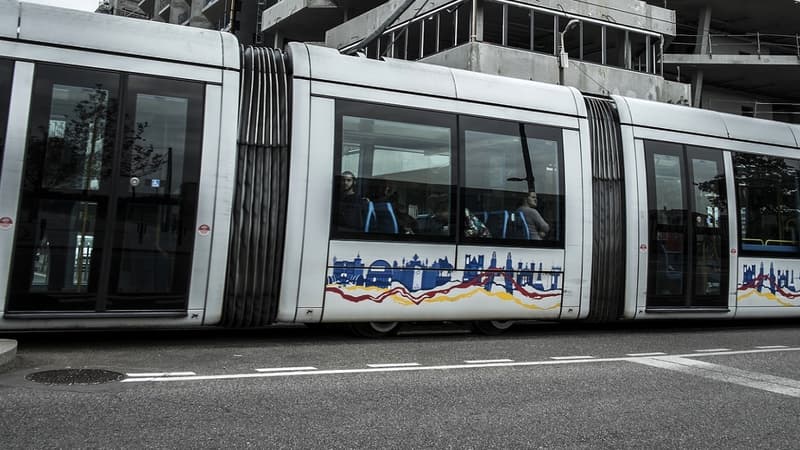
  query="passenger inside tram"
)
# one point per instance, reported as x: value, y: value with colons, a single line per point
x: 389, y: 194
x: 351, y: 206
x: 537, y: 226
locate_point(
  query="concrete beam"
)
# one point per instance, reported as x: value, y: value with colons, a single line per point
x: 587, y: 77
x: 684, y: 59
x: 273, y: 16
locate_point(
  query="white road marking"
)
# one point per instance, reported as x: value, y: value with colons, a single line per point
x: 771, y: 383
x: 770, y: 346
x: 484, y: 361
x: 647, y: 354
x: 285, y: 369
x: 380, y: 366
x: 567, y: 358
x: 161, y: 374
x: 439, y: 367
x: 711, y: 350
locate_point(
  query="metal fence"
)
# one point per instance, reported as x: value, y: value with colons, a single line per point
x: 734, y: 44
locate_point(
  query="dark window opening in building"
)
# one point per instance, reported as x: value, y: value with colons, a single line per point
x: 414, y: 41
x: 638, y: 51
x: 655, y: 56
x: 447, y: 30
x: 463, y: 22
x: 786, y: 112
x: 519, y: 27
x: 493, y: 23
x: 615, y: 47
x: 386, y: 46
x: 592, y: 43
x: 399, y: 38
x: 372, y: 49
x: 543, y: 36
x: 430, y: 28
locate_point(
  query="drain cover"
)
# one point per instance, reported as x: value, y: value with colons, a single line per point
x: 75, y: 376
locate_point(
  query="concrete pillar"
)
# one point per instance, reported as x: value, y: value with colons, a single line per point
x: 701, y: 48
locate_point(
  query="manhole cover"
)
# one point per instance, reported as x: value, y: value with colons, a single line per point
x: 75, y: 376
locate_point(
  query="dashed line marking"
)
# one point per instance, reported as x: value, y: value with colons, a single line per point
x: 285, y: 369
x: 485, y: 361
x: 647, y: 354
x: 567, y: 358
x: 711, y: 350
x: 417, y: 367
x: 161, y: 374
x: 770, y: 346
x: 389, y: 365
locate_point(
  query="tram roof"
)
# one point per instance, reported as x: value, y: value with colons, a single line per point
x: 705, y: 122
x: 56, y: 26
x: 322, y: 63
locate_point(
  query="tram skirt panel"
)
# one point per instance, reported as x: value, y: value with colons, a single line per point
x: 258, y: 228
x: 606, y: 298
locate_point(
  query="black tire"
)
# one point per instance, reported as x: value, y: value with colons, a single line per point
x: 374, y: 329
x: 492, y: 327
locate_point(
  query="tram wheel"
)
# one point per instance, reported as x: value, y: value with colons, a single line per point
x: 492, y: 327
x: 375, y: 329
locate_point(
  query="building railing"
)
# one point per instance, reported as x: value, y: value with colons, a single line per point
x: 527, y: 28
x: 738, y: 44
x: 163, y: 4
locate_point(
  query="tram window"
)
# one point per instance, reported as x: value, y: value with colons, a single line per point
x: 512, y: 188
x: 768, y: 198
x: 6, y: 72
x: 394, y: 173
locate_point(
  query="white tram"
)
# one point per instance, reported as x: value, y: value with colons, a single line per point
x: 160, y: 176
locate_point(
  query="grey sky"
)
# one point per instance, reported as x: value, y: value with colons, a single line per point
x: 84, y: 5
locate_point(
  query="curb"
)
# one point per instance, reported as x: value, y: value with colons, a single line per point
x: 8, y: 351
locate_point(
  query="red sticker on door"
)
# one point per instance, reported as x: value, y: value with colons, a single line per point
x: 5, y: 223
x: 203, y: 230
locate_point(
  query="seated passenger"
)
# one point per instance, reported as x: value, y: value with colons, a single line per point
x: 350, y: 216
x: 407, y: 224
x: 537, y: 227
x: 439, y: 222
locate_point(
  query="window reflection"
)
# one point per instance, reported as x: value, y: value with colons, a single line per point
x: 75, y: 137
x: 512, y: 181
x: 394, y: 173
x: 768, y: 191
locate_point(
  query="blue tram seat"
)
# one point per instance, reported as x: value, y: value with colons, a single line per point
x: 381, y: 218
x: 497, y: 222
x: 519, y: 226
x: 369, y: 219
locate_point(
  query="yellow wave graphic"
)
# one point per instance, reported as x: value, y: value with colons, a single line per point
x: 502, y: 296
x: 765, y: 295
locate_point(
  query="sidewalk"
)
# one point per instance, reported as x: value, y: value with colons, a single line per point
x: 8, y: 351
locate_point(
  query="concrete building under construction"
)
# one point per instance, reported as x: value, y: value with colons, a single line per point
x: 727, y: 56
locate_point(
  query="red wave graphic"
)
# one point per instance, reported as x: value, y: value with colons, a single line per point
x: 479, y: 280
x: 760, y: 280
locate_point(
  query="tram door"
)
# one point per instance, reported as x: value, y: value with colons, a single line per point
x: 688, y: 231
x: 109, y: 193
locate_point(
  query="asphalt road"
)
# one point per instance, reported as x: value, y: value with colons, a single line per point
x: 708, y: 385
